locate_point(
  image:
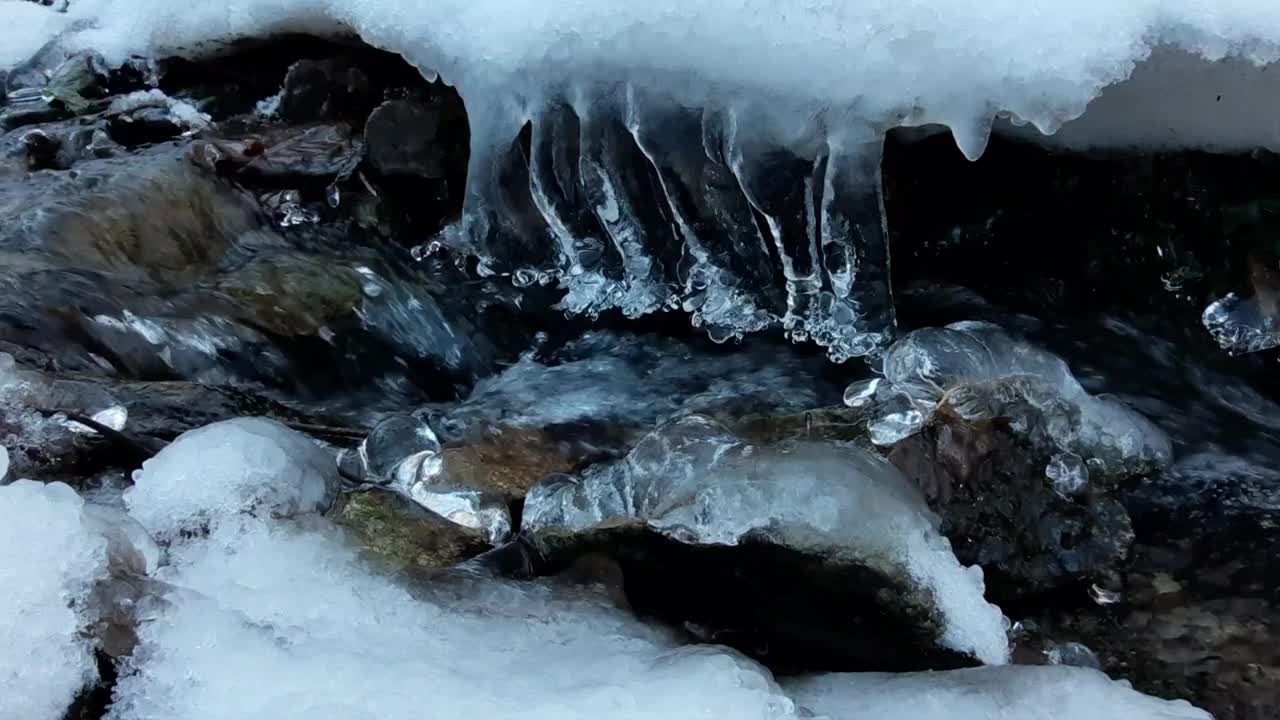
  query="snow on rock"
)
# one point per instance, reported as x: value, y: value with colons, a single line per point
x: 934, y: 60
x: 245, y: 465
x: 272, y: 621
x: 699, y: 484
x: 1015, y: 692
x: 50, y: 561
x: 4, y: 463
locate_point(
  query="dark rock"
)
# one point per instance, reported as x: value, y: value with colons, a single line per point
x: 402, y: 136
x: 336, y: 88
x: 1000, y: 512
x: 143, y: 126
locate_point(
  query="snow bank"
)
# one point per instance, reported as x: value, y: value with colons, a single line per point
x: 277, y: 623
x: 1017, y: 692
x: 246, y: 465
x: 698, y: 483
x: 48, y: 566
x: 881, y: 61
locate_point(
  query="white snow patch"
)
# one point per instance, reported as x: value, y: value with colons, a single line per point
x: 871, y: 62
x: 50, y: 562
x: 1015, y: 692
x: 277, y: 622
x: 246, y: 465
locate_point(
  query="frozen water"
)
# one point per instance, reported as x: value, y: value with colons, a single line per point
x: 4, y: 463
x: 698, y: 483
x: 669, y: 139
x: 1241, y: 325
x: 246, y: 465
x: 978, y: 371
x: 403, y: 453
x: 50, y: 562
x: 1015, y: 692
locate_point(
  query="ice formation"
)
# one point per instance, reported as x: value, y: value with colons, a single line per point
x: 403, y: 453
x: 979, y: 372
x: 1242, y: 325
x: 1015, y: 692
x: 710, y: 156
x: 698, y: 483
x: 246, y: 465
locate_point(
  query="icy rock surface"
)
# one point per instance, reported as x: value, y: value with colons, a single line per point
x: 699, y: 484
x: 671, y: 158
x: 979, y: 372
x: 246, y: 465
x: 51, y: 560
x: 402, y: 452
x: 1015, y: 692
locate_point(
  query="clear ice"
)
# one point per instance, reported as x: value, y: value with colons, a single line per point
x: 721, y: 157
x: 979, y: 372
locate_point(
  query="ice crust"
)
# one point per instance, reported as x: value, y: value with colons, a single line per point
x: 50, y: 560
x: 214, y: 473
x: 1015, y: 692
x: 979, y: 372
x: 698, y: 483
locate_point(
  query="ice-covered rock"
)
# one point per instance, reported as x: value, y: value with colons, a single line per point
x: 699, y: 486
x: 978, y: 372
x: 402, y: 452
x: 1015, y: 692
x: 254, y: 466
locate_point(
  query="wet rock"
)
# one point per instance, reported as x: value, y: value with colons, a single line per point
x: 284, y: 157
x: 396, y: 531
x: 77, y: 82
x: 1000, y: 511
x: 327, y: 88
x: 402, y: 136
x: 150, y: 116
x: 403, y: 454
x: 777, y: 551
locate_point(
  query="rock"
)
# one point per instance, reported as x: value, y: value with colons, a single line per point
x: 396, y: 531
x: 402, y: 139
x: 287, y: 157
x: 402, y: 453
x: 150, y: 116
x: 77, y: 82
x: 709, y: 530
x: 328, y: 88
x: 1000, y: 512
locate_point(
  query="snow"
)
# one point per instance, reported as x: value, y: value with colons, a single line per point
x: 49, y: 563
x: 214, y: 473
x: 1016, y: 692
x: 696, y: 482
x: 924, y: 60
